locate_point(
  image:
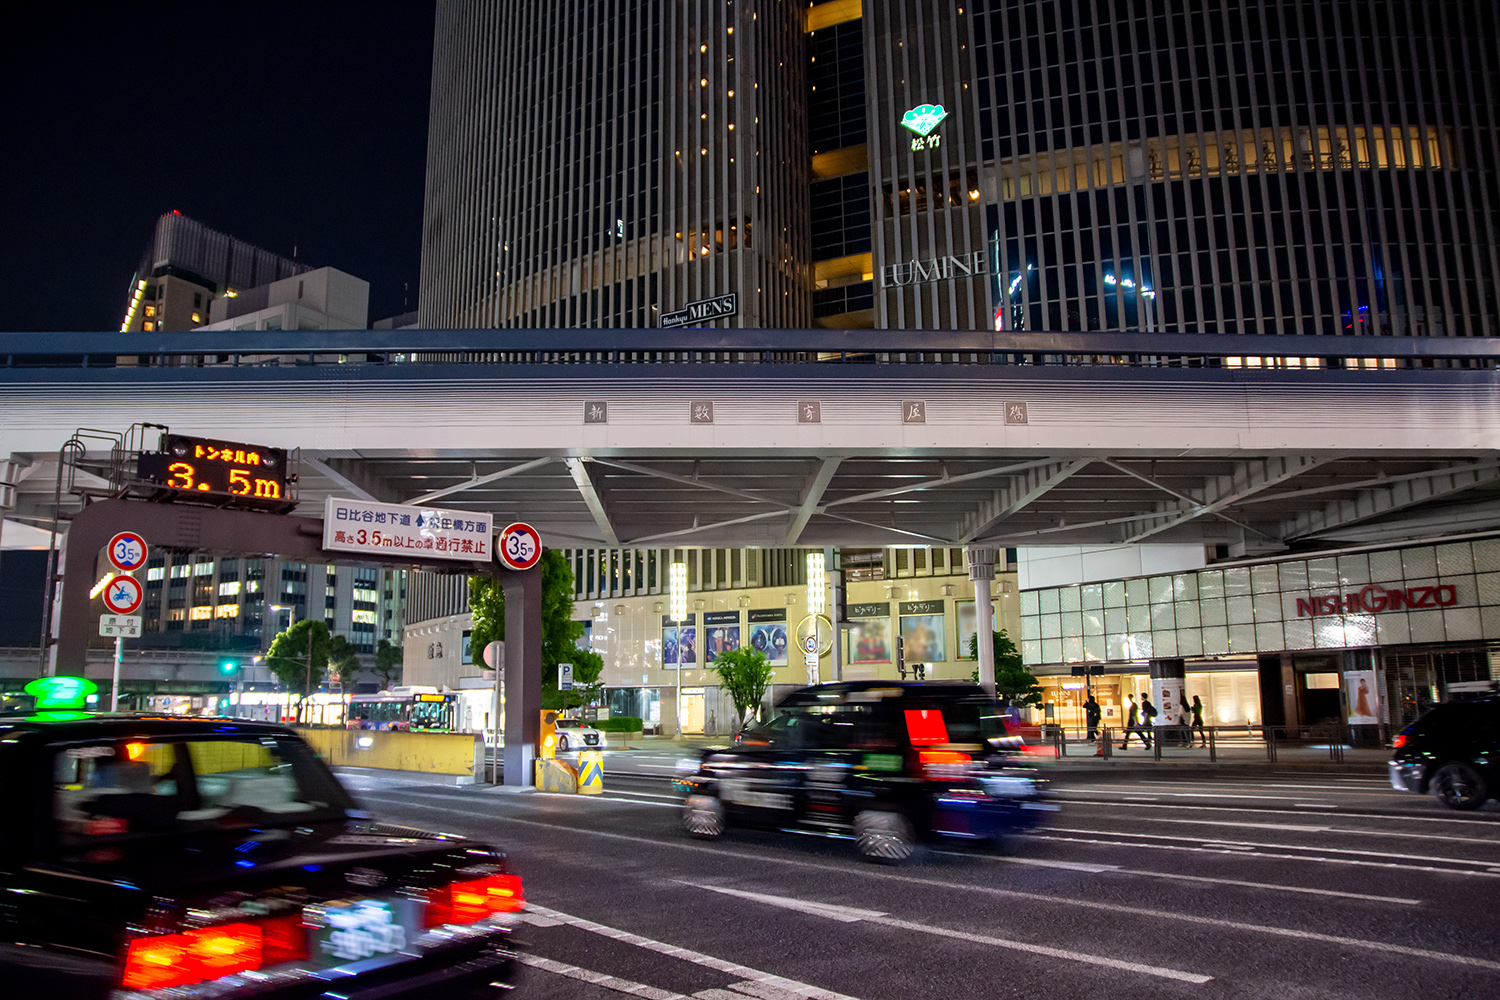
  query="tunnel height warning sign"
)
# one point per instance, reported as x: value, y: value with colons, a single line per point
x: 389, y: 529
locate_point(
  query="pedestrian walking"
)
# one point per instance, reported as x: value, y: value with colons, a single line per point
x: 1148, y: 719
x: 1091, y: 715
x: 1133, y: 723
x: 1198, y: 721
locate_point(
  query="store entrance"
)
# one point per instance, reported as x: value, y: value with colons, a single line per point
x: 690, y: 710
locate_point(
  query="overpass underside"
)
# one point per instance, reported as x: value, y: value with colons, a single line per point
x: 1081, y: 439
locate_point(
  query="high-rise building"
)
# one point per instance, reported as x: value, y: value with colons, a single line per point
x: 1240, y: 167
x: 186, y: 266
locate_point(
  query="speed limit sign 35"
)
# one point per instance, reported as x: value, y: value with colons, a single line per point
x: 520, y: 546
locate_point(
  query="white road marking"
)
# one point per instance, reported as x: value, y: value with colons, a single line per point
x: 1255, y: 854
x: 851, y: 914
x: 1071, y: 866
x: 596, y: 978
x: 695, y: 957
x: 1130, y: 910
x: 1299, y: 828
x: 1395, y: 817
x: 1251, y: 844
x: 1141, y: 798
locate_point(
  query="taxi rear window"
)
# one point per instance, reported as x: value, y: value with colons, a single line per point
x: 139, y: 788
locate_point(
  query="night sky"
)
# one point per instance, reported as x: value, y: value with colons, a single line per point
x: 280, y: 123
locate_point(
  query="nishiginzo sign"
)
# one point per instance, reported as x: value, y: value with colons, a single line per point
x: 363, y: 526
x: 1373, y: 599
x: 703, y: 310
x: 937, y: 269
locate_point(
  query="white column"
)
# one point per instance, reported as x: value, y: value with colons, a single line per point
x: 982, y: 571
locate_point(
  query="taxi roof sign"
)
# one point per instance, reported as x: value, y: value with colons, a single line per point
x: 61, y: 693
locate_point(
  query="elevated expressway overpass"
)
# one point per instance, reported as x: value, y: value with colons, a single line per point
x: 1258, y: 444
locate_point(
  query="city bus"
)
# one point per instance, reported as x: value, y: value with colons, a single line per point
x: 417, y: 710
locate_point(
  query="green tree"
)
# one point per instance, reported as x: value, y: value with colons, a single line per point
x: 587, y: 687
x: 487, y: 604
x: 746, y: 674
x: 299, y: 657
x: 343, y: 659
x: 1014, y: 684
x: 387, y: 663
x: 560, y: 633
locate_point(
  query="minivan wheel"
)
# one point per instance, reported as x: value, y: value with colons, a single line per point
x: 703, y: 816
x: 886, y: 837
x: 1459, y: 786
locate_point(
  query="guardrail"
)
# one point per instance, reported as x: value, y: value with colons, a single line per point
x: 1167, y: 741
x: 336, y: 348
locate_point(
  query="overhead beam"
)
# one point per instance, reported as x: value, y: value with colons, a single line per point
x: 1024, y: 490
x: 701, y: 484
x: 1220, y: 492
x: 1188, y: 502
x: 1387, y: 499
x: 340, y: 479
x: 589, y: 490
x: 482, y: 480
x: 812, y: 494
x: 760, y: 516
x: 1001, y: 470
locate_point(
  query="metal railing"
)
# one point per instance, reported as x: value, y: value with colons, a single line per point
x: 1332, y: 740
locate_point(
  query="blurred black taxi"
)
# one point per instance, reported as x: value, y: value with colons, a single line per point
x: 1452, y: 751
x: 891, y: 766
x: 145, y: 857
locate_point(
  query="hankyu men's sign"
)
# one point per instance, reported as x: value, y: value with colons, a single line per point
x: 702, y: 311
x: 387, y: 528
x: 914, y: 272
x: 1373, y: 599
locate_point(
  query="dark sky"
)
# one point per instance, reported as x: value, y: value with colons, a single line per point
x: 276, y: 122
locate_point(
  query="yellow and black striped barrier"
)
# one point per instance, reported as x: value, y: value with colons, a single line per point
x: 590, y: 772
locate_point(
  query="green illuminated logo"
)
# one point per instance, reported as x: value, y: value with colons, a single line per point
x: 61, y: 693
x: 924, y: 118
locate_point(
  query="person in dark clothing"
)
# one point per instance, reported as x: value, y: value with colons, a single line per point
x: 1133, y: 724
x: 1091, y: 715
x: 1148, y: 719
x: 1198, y: 721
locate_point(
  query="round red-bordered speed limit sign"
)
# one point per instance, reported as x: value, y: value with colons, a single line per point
x: 123, y: 595
x: 127, y: 551
x: 520, y: 546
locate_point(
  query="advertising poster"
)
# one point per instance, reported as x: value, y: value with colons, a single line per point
x: 771, y: 640
x: 669, y: 648
x: 1169, y: 696
x: 1364, y: 703
x: 870, y: 640
x: 923, y: 635
x: 687, y: 647
x: 721, y: 639
x: 968, y: 625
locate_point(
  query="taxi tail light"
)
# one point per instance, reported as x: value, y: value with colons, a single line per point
x: 1399, y: 741
x: 167, y: 960
x: 473, y: 900
x: 944, y: 765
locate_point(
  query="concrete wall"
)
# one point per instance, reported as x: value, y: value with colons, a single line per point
x: 458, y: 754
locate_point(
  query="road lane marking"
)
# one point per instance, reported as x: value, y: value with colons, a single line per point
x: 687, y: 955
x: 1395, y: 817
x: 1298, y: 828
x: 852, y: 914
x: 1114, y: 908
x: 1241, y: 845
x: 1255, y: 854
x: 1071, y: 866
x: 596, y: 978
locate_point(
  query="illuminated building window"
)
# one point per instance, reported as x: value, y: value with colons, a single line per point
x: 203, y: 569
x: 364, y: 616
x: 156, y: 572
x: 150, y: 310
x: 229, y: 589
x: 176, y: 614
x: 361, y: 594
x: 197, y: 318
x: 180, y: 570
x: 202, y: 614
x: 226, y: 611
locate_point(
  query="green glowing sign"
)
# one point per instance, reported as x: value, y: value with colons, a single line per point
x: 61, y: 693
x: 923, y: 118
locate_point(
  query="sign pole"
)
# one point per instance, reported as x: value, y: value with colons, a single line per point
x: 114, y: 687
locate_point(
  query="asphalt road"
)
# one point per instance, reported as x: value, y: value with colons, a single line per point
x: 1289, y: 886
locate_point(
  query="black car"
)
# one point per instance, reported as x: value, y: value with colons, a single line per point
x: 145, y: 857
x: 890, y: 766
x: 1452, y: 751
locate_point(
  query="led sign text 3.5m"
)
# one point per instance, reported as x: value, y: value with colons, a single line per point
x: 197, y: 466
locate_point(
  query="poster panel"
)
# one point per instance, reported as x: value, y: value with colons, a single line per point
x: 870, y: 640
x: 687, y: 647
x: 923, y: 635
x: 968, y: 624
x: 770, y: 640
x: 1364, y: 702
x: 721, y: 639
x: 669, y: 648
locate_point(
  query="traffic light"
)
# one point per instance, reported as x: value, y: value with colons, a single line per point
x: 547, y: 737
x: 228, y: 666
